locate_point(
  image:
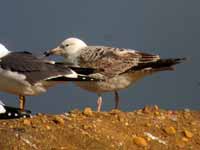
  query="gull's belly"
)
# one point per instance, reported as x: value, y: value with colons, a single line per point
x: 112, y: 84
x: 16, y: 84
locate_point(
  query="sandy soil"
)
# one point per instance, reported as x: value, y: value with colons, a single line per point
x: 149, y: 128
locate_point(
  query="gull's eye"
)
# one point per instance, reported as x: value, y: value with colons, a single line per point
x: 66, y: 45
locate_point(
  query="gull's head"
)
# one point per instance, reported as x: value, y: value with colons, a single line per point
x: 68, y: 48
x: 3, y: 51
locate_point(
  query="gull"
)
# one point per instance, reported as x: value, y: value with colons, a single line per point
x: 120, y: 67
x: 23, y: 74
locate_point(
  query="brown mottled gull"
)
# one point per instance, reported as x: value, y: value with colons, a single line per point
x: 119, y: 67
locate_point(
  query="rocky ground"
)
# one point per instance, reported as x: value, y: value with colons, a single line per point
x: 148, y: 128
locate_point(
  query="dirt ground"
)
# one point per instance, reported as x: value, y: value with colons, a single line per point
x: 148, y: 128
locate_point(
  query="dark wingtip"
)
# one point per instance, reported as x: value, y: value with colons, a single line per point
x: 46, y: 53
x: 180, y: 60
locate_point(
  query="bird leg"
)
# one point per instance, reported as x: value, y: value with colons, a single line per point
x: 116, y: 100
x: 99, y: 103
x: 22, y: 101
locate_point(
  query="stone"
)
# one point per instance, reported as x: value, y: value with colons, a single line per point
x: 27, y: 122
x: 47, y: 127
x: 170, y: 130
x: 88, y: 111
x: 140, y: 141
x: 59, y: 120
x: 188, y: 134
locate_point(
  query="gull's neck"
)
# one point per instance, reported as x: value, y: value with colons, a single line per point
x: 73, y: 56
x: 72, y: 59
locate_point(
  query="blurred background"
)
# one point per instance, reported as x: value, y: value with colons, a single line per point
x: 168, y: 28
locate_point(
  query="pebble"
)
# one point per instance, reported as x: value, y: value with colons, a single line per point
x: 146, y: 109
x: 140, y: 141
x: 157, y: 113
x: 170, y: 130
x: 85, y: 127
x: 59, y: 120
x: 73, y: 115
x: 185, y: 139
x: 173, y: 117
x: 4, y: 123
x: 27, y: 122
x: 188, y: 134
x: 88, y: 111
x: 186, y: 110
x: 148, y: 125
x: 48, y: 127
x: 70, y: 126
x: 156, y: 107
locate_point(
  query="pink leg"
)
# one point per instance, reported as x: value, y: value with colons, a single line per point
x: 99, y: 103
x: 116, y: 100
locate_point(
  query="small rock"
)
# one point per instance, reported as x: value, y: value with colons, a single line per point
x: 146, y: 109
x: 185, y: 139
x: 157, y: 113
x: 88, y: 111
x: 139, y: 112
x: 68, y: 118
x: 173, y: 117
x: 140, y: 141
x: 186, y: 110
x: 162, y: 117
x: 148, y: 125
x: 188, y: 134
x: 47, y: 127
x: 157, y: 126
x: 120, y: 144
x: 85, y: 127
x: 4, y: 123
x: 156, y: 107
x: 59, y: 120
x: 73, y: 115
x: 170, y: 130
x: 27, y: 122
x: 98, y: 120
x: 70, y: 126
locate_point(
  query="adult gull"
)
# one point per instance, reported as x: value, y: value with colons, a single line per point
x: 23, y: 74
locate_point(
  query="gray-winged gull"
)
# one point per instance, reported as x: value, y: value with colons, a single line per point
x: 24, y: 74
x: 121, y: 67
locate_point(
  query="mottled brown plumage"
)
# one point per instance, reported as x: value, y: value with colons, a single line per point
x: 114, y: 61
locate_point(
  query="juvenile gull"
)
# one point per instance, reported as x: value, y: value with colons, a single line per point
x: 120, y: 67
x: 24, y: 74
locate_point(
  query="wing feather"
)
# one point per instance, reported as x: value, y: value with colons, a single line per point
x: 113, y: 61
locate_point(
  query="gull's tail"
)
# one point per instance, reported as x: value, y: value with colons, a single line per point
x: 159, y: 65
